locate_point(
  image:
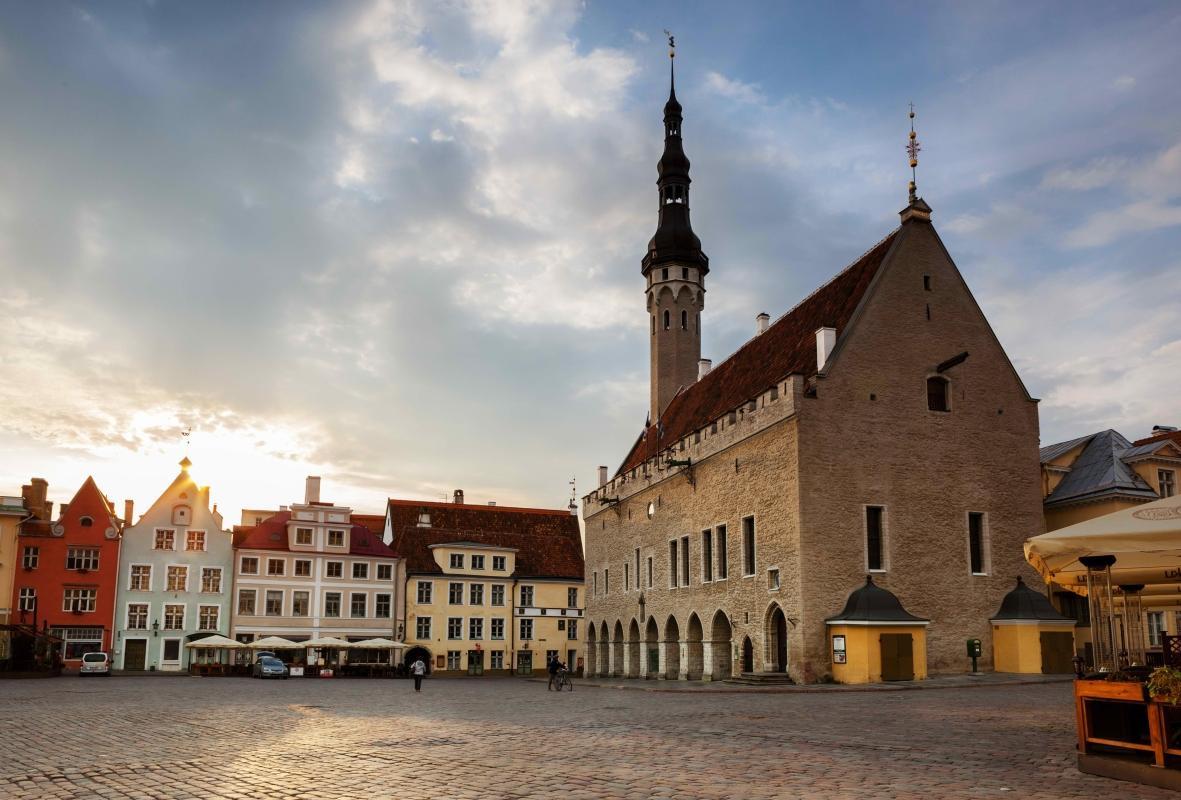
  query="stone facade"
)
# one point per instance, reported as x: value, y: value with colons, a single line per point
x: 803, y: 459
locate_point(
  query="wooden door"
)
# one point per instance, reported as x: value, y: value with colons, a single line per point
x: 897, y: 657
x: 1057, y: 652
x: 135, y: 654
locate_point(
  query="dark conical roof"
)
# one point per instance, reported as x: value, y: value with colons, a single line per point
x: 872, y: 603
x: 1025, y: 603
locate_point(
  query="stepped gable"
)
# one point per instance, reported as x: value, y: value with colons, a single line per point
x: 271, y: 534
x: 547, y: 541
x: 787, y: 347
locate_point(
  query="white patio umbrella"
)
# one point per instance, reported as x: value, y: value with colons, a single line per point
x: 217, y: 641
x: 275, y: 643
x: 378, y: 644
x: 327, y: 641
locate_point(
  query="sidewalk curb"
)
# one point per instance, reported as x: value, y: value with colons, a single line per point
x: 813, y: 689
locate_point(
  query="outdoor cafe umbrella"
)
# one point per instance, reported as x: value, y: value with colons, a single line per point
x: 217, y: 641
x: 276, y: 643
x: 377, y: 644
x: 327, y: 641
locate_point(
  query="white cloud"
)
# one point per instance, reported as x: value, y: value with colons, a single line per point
x: 639, y: 36
x: 1104, y: 227
x: 734, y: 89
x: 1124, y: 82
x: 1092, y: 175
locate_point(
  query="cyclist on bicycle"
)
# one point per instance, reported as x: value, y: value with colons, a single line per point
x: 556, y: 668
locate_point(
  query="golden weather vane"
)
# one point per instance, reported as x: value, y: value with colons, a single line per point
x: 912, y: 149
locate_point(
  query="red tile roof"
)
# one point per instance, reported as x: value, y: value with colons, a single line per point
x: 787, y: 347
x: 1172, y: 436
x: 374, y: 523
x: 271, y: 534
x: 547, y: 541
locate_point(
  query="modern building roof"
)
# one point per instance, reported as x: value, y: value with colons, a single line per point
x: 547, y: 541
x: 872, y: 603
x: 787, y: 347
x: 1099, y: 471
x: 1024, y: 603
x: 271, y: 534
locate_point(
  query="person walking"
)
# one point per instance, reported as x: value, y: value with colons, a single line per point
x: 418, y: 669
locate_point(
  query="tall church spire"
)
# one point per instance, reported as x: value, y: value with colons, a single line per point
x: 674, y: 268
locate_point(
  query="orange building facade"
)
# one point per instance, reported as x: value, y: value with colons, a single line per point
x: 67, y: 570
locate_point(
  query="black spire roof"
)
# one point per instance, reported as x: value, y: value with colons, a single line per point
x: 674, y: 241
x: 872, y: 603
x: 1024, y: 603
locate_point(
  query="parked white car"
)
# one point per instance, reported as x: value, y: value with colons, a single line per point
x: 95, y: 664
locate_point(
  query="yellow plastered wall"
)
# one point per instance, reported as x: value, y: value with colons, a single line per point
x: 864, y: 651
x: 1017, y: 647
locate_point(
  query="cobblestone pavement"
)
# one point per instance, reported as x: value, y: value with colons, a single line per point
x: 179, y: 738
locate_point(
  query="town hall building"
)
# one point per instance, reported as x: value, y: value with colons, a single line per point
x: 844, y: 497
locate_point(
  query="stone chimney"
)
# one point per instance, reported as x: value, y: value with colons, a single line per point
x: 826, y: 340
x: 703, y: 367
x: 34, y: 496
x: 128, y: 508
x: 62, y: 511
x: 311, y: 490
x: 602, y: 476
x: 458, y: 497
x: 762, y: 322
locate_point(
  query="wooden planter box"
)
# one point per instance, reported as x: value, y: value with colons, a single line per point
x: 1132, y: 691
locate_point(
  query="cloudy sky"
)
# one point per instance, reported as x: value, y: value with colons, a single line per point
x: 397, y: 244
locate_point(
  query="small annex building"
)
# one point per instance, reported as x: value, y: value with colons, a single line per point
x: 875, y: 639
x: 1030, y: 636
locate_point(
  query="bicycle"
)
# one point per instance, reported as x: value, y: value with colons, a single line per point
x: 564, y: 682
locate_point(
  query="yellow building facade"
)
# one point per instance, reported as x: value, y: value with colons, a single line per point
x: 489, y: 590
x: 875, y: 639
x: 12, y: 511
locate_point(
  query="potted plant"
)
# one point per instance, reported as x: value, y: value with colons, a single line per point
x: 1164, y: 685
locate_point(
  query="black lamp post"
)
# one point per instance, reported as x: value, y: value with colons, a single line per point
x: 156, y: 628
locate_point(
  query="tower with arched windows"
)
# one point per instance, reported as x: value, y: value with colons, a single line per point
x: 674, y: 270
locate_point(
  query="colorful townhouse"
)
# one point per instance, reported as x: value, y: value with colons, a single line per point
x: 175, y: 570
x: 489, y: 589
x: 12, y: 511
x: 311, y: 571
x: 69, y: 569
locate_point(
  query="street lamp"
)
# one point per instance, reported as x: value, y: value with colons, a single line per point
x: 156, y: 628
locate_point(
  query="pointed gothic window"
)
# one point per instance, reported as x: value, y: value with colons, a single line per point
x: 653, y: 324
x: 684, y: 320
x: 666, y: 320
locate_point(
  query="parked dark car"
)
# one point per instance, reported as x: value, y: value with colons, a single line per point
x: 270, y: 667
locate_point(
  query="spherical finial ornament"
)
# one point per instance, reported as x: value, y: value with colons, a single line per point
x: 912, y: 115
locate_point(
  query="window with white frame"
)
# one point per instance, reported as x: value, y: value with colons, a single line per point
x: 141, y: 578
x: 498, y: 594
x: 684, y: 560
x: 707, y: 555
x: 171, y: 650
x: 385, y: 572
x: 303, y: 536
x: 572, y: 598
x: 207, y: 617
x: 246, y: 598
x: 303, y: 568
x: 527, y: 596
x: 358, y: 604
x: 457, y: 561
x: 381, y: 605
x: 178, y: 578
x: 496, y: 659
x: 82, y: 558
x: 1156, y: 626
x: 336, y: 538
x: 276, y: 566
x: 165, y: 540
x: 424, y: 519
x: 248, y: 565
x: 137, y: 617
x: 773, y: 579
x: 526, y: 630
x: 332, y: 604
x: 477, y: 562
x: 496, y: 628
x: 79, y: 599
x: 475, y: 594
x: 422, y: 628
x: 455, y: 627
x: 174, y: 617
x: 424, y: 591
x: 455, y: 594
x: 360, y: 570
x: 334, y: 569
x: 300, y: 604
x: 211, y: 580
x: 453, y: 659
x: 1166, y: 481
x: 27, y: 601
x: 274, y: 603
x: 498, y: 563
x: 30, y: 557
x: 195, y: 541
x: 475, y: 628
x: 572, y: 629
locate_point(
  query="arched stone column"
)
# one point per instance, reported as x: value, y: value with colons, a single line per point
x: 670, y: 651
x: 617, y: 651
x: 694, y: 665
x: 633, y: 650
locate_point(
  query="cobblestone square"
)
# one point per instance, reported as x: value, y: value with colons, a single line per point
x: 238, y: 738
